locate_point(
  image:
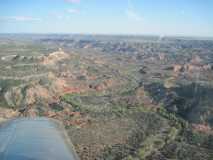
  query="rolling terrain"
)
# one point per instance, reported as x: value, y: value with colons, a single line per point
x: 119, y: 97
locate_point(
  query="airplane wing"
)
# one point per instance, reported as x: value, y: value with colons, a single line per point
x: 35, y: 139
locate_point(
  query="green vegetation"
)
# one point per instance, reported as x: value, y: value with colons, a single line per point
x: 6, y: 84
x: 70, y: 98
x: 120, y: 98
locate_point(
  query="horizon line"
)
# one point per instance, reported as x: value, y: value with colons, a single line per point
x: 108, y: 34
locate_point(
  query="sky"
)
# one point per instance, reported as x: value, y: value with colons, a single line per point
x: 138, y: 17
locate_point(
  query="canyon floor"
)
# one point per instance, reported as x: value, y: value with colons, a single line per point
x: 119, y: 97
